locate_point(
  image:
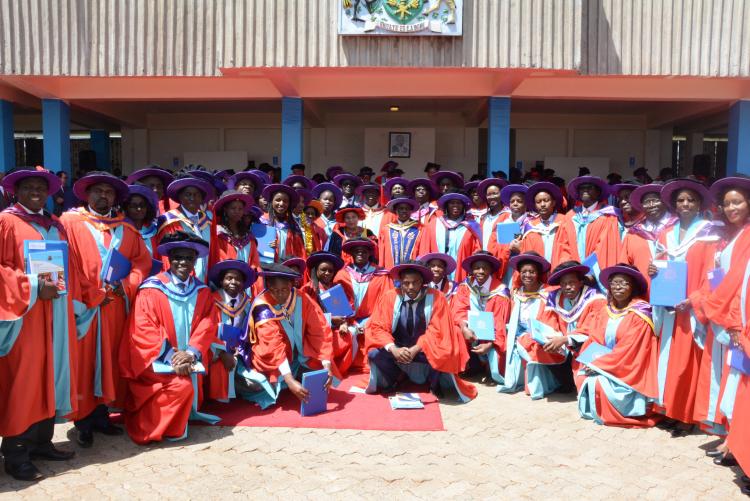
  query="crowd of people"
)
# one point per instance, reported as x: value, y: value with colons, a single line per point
x: 177, y: 289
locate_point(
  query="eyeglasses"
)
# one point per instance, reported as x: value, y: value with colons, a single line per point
x: 651, y: 203
x: 619, y: 284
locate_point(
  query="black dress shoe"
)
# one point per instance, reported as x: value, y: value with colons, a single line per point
x: 725, y: 460
x: 680, y: 432
x: 26, y: 472
x: 52, y: 453
x: 110, y: 429
x: 714, y: 453
x: 85, y: 438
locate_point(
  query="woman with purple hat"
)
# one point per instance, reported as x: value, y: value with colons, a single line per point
x: 505, y: 204
x: 400, y: 240
x: 441, y: 265
x: 532, y: 323
x: 618, y: 383
x: 330, y: 197
x: 482, y: 291
x: 425, y: 192
x: 478, y: 204
x: 490, y: 191
x: 369, y: 194
x: 452, y: 233
x: 627, y: 214
x: 167, y: 345
x: 348, y: 183
x: 395, y: 187
x: 289, y: 242
x: 38, y: 329
x: 231, y: 279
x: 156, y: 179
x: 141, y: 208
x: 542, y: 233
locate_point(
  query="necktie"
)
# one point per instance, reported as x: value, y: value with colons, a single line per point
x: 181, y: 286
x: 410, y: 316
x: 232, y: 302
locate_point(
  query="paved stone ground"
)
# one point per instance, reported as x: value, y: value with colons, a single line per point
x: 498, y: 446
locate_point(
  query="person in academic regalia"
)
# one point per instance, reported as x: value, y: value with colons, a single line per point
x: 348, y: 183
x: 447, y: 181
x: 231, y: 236
x: 719, y: 307
x: 542, y: 233
x: 287, y: 336
x: 454, y: 233
x: 168, y: 341
x: 506, y: 203
x: 330, y: 197
x: 141, y: 209
x: 367, y: 283
x: 441, y: 265
x: 425, y: 192
x: 314, y: 236
x: 289, y: 241
x: 231, y: 278
x: 96, y: 235
x: 618, y: 387
x: 189, y: 216
x: 483, y: 291
x: 528, y: 366
x: 690, y: 239
x: 399, y: 241
x: 410, y: 335
x: 349, y: 221
x: 156, y: 179
x: 478, y: 204
x: 37, y: 330
x: 375, y: 214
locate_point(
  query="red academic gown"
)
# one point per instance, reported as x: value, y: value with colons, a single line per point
x: 547, y: 316
x: 633, y: 360
x: 602, y: 239
x: 500, y: 251
x: 444, y: 348
x: 378, y: 283
x: 27, y: 376
x: 217, y: 377
x: 470, y: 243
x: 86, y: 263
x: 363, y: 233
x: 532, y: 239
x: 739, y: 434
x: 158, y: 405
x: 385, y: 245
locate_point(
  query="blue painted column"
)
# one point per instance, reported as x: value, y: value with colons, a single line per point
x: 100, y: 144
x: 498, y: 135
x: 738, y: 148
x: 7, y: 145
x: 291, y: 134
x: 56, y: 132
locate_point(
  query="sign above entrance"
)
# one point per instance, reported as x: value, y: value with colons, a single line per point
x: 401, y: 17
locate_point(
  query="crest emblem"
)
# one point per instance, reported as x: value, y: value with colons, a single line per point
x: 403, y: 11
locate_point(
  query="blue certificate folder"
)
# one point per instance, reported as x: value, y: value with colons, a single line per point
x: 591, y: 261
x: 314, y: 382
x: 47, y: 256
x: 231, y: 336
x: 265, y: 235
x: 669, y: 286
x: 592, y: 352
x: 483, y: 325
x: 739, y: 360
x: 115, y: 267
x: 506, y: 232
x: 336, y: 303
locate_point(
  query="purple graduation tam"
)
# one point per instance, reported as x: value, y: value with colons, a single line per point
x: 179, y: 184
x: 11, y: 180
x: 270, y: 270
x: 146, y: 193
x: 253, y: 176
x: 354, y: 243
x: 493, y: 181
x: 457, y: 179
x: 485, y: 256
x: 624, y: 269
x: 341, y: 178
x: 636, y: 196
x: 263, y: 176
x: 562, y: 270
x: 82, y: 185
x: 182, y: 240
x: 333, y: 171
x: 509, y: 190
x: 442, y: 201
x: 417, y: 266
x: 362, y: 188
x: 151, y: 171
x: 296, y: 263
x: 669, y: 190
x: 529, y: 257
x: 218, y: 269
x: 720, y: 187
x: 318, y: 257
x: 306, y: 182
x: 471, y: 185
x: 270, y: 190
x: 546, y: 187
x: 338, y: 196
x: 218, y: 184
x: 427, y: 183
x: 450, y: 263
x: 391, y: 205
x: 230, y: 196
x: 615, y: 189
x: 595, y: 180
x: 393, y: 182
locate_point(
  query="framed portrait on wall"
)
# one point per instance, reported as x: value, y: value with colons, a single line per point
x: 399, y: 144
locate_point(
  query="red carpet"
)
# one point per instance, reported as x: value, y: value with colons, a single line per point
x: 351, y: 411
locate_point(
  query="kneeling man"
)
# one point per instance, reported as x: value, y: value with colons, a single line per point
x: 411, y: 335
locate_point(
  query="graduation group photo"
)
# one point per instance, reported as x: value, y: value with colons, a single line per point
x: 423, y: 249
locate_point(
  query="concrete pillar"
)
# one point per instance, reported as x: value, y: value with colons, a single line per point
x: 291, y: 134
x: 498, y: 135
x: 100, y: 144
x: 7, y: 145
x: 738, y: 149
x: 56, y: 133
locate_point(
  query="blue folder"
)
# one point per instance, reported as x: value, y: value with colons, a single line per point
x: 592, y: 352
x: 336, y: 303
x: 265, y: 235
x: 739, y: 360
x: 715, y: 277
x: 53, y: 251
x: 156, y: 267
x: 483, y: 325
x: 506, y: 232
x: 314, y: 382
x: 541, y: 332
x: 669, y: 286
x: 115, y: 267
x: 591, y: 262
x: 231, y: 336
